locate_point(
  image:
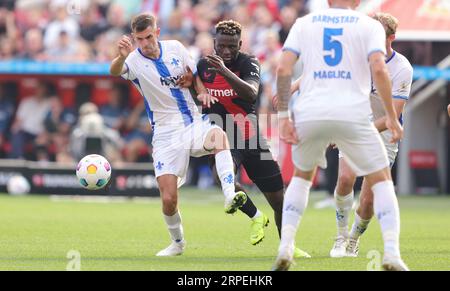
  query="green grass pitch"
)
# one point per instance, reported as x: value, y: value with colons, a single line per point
x: 37, y: 233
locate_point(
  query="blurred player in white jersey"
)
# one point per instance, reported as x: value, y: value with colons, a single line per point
x: 160, y: 70
x: 400, y: 72
x: 341, y: 49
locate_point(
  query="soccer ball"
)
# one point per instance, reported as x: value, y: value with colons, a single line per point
x: 93, y: 172
x: 18, y: 185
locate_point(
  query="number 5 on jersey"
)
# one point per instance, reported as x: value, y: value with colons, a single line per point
x: 332, y: 46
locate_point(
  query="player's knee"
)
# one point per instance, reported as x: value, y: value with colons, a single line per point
x: 169, y: 199
x: 217, y: 140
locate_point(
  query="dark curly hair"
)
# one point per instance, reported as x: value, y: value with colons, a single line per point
x: 229, y: 27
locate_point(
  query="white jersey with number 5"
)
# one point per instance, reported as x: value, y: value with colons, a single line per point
x: 165, y: 102
x: 335, y: 45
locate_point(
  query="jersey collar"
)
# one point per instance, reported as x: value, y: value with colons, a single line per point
x: 160, y: 53
x: 393, y: 55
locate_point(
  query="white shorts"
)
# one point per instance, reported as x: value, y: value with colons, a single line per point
x: 359, y: 143
x: 391, y: 149
x: 173, y: 145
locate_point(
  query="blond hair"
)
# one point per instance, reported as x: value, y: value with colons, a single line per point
x: 389, y: 22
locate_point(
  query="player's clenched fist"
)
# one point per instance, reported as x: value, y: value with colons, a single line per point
x: 125, y: 46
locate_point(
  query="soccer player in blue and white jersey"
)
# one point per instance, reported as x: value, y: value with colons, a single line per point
x: 400, y: 72
x: 160, y: 70
x: 341, y: 50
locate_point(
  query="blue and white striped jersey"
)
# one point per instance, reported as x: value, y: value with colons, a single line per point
x: 166, y: 103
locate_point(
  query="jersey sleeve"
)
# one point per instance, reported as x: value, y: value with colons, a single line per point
x: 292, y: 42
x: 251, y: 70
x: 129, y: 73
x: 401, y: 84
x: 187, y: 58
x: 376, y: 39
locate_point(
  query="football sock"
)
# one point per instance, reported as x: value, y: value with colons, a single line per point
x: 174, y: 225
x: 359, y: 226
x: 225, y: 172
x: 249, y: 207
x: 295, y: 202
x: 343, y: 207
x: 386, y: 209
x: 257, y: 214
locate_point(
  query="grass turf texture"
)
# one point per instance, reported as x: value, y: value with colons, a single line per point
x: 37, y: 232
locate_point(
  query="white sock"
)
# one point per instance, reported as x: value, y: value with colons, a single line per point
x: 257, y: 214
x: 386, y: 209
x: 359, y: 226
x: 343, y: 207
x: 294, y: 204
x: 225, y: 171
x: 174, y: 225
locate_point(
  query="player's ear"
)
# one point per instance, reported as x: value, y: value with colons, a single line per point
x: 391, y: 38
x: 158, y: 31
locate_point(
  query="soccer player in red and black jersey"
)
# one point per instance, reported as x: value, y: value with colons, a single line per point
x: 233, y: 78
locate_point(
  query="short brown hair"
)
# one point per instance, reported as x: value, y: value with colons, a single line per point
x: 142, y: 21
x: 229, y: 27
x: 389, y: 22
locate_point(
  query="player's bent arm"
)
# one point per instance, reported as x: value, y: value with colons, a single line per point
x: 382, y: 82
x: 117, y: 67
x: 399, y: 105
x: 245, y: 89
x: 198, y: 85
x: 284, y: 75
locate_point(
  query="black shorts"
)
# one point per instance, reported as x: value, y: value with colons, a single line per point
x: 260, y: 168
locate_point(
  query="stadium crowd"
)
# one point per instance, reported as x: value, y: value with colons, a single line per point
x: 46, y: 127
x: 40, y: 127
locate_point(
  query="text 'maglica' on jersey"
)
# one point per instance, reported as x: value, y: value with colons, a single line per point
x: 165, y: 102
x: 335, y: 45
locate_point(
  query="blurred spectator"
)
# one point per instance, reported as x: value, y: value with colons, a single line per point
x: 61, y: 22
x: 287, y: 19
x: 175, y: 27
x: 139, y: 137
x: 264, y: 23
x: 91, y: 136
x: 6, y: 116
x: 162, y: 9
x: 63, y: 50
x: 117, y: 20
x: 7, y: 50
x: 29, y: 121
x: 92, y: 23
x: 271, y: 46
x: 54, y: 140
x: 114, y: 113
x: 34, y: 45
x: 203, y: 46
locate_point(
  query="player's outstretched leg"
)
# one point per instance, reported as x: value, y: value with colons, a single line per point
x: 217, y: 141
x: 343, y: 197
x: 386, y: 209
x: 259, y: 219
x: 169, y: 196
